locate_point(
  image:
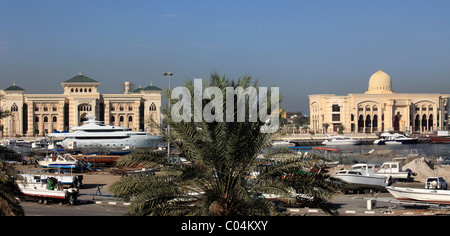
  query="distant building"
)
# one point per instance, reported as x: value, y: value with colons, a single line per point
x: 379, y: 109
x: 291, y: 115
x: 41, y: 114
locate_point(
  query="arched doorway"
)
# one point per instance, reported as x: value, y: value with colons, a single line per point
x: 361, y: 124
x: 397, y: 119
x: 368, y: 124
x: 424, y: 122
x: 430, y: 123
x: 375, y: 123
x: 417, y: 123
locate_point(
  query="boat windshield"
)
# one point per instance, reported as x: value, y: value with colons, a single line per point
x: 357, y: 168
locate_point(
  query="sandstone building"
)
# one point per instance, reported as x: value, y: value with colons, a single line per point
x: 379, y: 109
x: 41, y: 114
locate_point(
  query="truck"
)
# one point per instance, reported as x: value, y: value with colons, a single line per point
x: 393, y: 171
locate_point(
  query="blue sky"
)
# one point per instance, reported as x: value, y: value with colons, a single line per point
x: 303, y: 47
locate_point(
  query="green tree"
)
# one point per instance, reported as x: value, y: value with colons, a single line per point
x: 218, y: 179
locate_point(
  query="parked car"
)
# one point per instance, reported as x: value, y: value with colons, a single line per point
x: 440, y: 183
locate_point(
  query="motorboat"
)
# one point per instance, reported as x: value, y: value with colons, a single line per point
x: 287, y: 143
x: 95, y: 134
x: 361, y: 176
x: 394, y: 139
x: 65, y: 161
x: 340, y: 140
x: 422, y: 195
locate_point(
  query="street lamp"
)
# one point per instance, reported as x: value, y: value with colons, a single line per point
x: 168, y: 125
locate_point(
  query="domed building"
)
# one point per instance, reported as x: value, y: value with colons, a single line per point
x: 379, y: 109
x: 380, y: 83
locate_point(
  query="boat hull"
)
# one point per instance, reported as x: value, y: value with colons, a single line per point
x: 362, y: 182
x: 395, y: 142
x: 440, y: 139
x: 60, y: 166
x: 337, y: 143
x: 422, y: 195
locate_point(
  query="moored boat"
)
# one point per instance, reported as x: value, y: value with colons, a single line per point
x: 97, y: 135
x: 281, y: 143
x: 438, y: 139
x: 393, y: 139
x: 341, y: 140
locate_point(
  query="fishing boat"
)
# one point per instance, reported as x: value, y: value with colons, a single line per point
x: 422, y: 195
x: 340, y: 140
x: 62, y: 162
x: 44, y: 188
x: 38, y: 176
x: 361, y: 176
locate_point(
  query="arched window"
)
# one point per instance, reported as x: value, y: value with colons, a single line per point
x: 430, y: 121
x: 85, y: 107
x: 45, y: 119
x: 130, y: 119
x: 14, y: 107
x: 361, y: 123
x: 153, y: 107
x: 55, y: 119
x: 121, y: 119
x: 424, y: 121
x: 36, y: 119
x: 417, y: 123
x: 375, y: 123
x: 368, y: 122
x: 113, y: 119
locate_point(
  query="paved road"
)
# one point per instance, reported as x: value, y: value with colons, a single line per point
x: 88, y: 205
x: 89, y: 209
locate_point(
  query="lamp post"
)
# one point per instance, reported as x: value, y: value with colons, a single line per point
x: 168, y: 125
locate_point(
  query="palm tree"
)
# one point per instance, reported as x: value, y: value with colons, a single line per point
x: 9, y: 191
x: 218, y: 178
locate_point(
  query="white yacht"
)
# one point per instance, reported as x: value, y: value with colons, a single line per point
x: 97, y: 134
x: 387, y: 138
x: 340, y: 140
x: 287, y: 143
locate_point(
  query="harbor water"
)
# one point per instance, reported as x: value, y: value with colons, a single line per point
x: 377, y: 154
